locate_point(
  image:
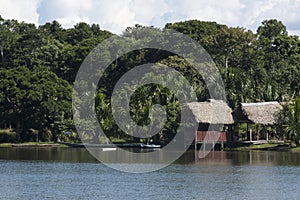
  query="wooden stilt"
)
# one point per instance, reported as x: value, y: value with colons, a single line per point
x: 250, y: 134
x: 257, y: 132
x: 196, y: 140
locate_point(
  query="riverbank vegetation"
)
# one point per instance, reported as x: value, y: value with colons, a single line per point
x: 39, y: 66
x: 266, y: 147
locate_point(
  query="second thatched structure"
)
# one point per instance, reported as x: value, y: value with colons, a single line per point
x: 257, y: 114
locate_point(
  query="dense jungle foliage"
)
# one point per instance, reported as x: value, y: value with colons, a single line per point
x: 38, y: 66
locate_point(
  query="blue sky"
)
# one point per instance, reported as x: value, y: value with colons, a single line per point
x: 116, y: 15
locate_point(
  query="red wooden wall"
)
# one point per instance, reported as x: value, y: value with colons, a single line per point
x: 211, y: 136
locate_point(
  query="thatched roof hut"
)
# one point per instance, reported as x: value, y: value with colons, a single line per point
x: 211, y: 112
x: 257, y: 113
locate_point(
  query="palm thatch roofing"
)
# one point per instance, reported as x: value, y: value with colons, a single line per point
x: 211, y: 112
x: 258, y: 113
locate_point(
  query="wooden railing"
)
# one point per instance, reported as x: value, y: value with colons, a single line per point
x: 211, y: 136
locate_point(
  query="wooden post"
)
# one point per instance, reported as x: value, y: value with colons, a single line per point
x: 196, y: 138
x: 266, y: 132
x: 257, y: 131
x: 250, y: 134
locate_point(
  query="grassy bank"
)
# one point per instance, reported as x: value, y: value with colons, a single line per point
x: 53, y: 144
x: 5, y: 145
x: 266, y: 147
x: 28, y: 144
x: 295, y: 150
x: 253, y: 147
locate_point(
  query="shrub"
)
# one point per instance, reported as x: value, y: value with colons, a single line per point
x: 7, y: 135
x: 29, y: 136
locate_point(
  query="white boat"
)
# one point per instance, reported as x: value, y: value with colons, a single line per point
x: 152, y: 146
x: 109, y: 149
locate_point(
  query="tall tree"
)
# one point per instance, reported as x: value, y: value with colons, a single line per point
x: 33, y: 99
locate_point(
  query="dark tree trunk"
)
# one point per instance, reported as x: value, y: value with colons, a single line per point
x: 18, y: 129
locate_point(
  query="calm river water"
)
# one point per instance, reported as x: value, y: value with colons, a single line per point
x: 71, y: 173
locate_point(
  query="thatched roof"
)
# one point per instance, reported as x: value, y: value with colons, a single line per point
x: 211, y: 112
x: 257, y: 113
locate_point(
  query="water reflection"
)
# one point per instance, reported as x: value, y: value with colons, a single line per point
x: 72, y: 173
x: 258, y: 158
x: 47, y: 154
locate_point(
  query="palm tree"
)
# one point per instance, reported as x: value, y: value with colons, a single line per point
x: 289, y: 120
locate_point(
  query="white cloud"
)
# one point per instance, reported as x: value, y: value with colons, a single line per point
x: 286, y: 11
x: 65, y: 10
x: 147, y: 12
x: 69, y: 21
x: 208, y: 10
x: 20, y: 10
x: 116, y: 15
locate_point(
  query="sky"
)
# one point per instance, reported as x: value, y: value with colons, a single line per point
x: 116, y: 15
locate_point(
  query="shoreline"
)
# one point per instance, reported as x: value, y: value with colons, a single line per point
x: 262, y: 147
x: 31, y: 144
x: 286, y: 147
